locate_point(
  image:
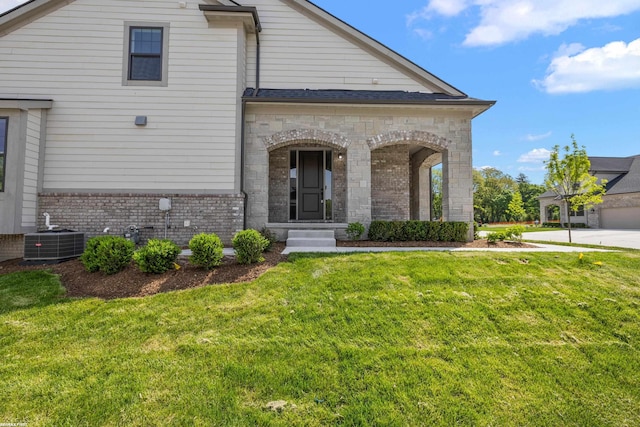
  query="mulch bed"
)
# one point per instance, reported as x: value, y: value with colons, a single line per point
x: 131, y: 282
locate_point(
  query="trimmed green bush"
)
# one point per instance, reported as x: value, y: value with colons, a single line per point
x: 108, y: 254
x: 565, y: 225
x: 157, y: 256
x: 249, y: 245
x: 495, y: 236
x: 514, y: 232
x: 391, y: 231
x: 270, y: 236
x: 206, y: 250
x: 354, y: 230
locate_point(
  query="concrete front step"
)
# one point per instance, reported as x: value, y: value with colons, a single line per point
x: 311, y: 238
x: 311, y: 234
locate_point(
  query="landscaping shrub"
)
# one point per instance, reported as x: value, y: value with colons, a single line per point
x: 109, y: 254
x: 514, y: 232
x: 565, y: 225
x: 270, y: 236
x: 249, y: 245
x: 157, y: 256
x: 206, y: 250
x: 355, y: 230
x: 495, y: 236
x: 390, y: 231
x: 476, y: 227
x: 378, y: 231
x: 551, y: 224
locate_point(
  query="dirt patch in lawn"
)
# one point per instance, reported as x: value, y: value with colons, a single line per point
x: 132, y: 283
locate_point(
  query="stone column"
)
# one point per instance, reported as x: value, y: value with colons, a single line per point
x: 359, y: 183
x: 457, y: 177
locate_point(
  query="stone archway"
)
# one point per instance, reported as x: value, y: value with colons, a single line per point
x: 412, y: 137
x: 285, y: 151
x: 305, y: 136
x: 401, y: 163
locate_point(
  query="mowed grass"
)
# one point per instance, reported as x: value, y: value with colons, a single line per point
x: 367, y: 339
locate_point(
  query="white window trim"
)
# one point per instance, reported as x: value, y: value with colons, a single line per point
x: 165, y: 54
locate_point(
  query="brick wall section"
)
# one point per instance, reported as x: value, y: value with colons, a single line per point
x: 11, y: 246
x: 91, y: 213
x: 390, y: 183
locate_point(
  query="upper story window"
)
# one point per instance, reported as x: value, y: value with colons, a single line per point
x: 4, y: 122
x: 146, y: 51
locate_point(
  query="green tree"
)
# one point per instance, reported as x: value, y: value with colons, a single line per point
x: 436, y: 191
x: 516, y: 207
x: 530, y: 193
x: 568, y: 177
x: 492, y: 191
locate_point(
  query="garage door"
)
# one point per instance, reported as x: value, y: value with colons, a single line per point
x: 620, y: 218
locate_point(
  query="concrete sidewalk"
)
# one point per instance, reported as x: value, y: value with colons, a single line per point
x: 618, y: 238
x: 540, y: 247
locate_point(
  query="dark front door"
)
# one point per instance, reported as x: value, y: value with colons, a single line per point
x: 310, y: 197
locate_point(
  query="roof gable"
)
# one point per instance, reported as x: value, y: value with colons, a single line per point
x: 27, y: 12
x: 373, y: 46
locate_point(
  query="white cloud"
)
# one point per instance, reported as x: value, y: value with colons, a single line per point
x: 530, y: 137
x: 9, y: 4
x: 505, y: 21
x: 613, y: 66
x: 423, y: 33
x: 497, y: 153
x: 531, y: 169
x: 447, y: 7
x: 537, y: 155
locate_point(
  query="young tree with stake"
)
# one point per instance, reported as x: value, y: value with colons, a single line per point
x: 570, y: 180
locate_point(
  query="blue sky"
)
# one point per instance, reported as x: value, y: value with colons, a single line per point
x: 555, y: 67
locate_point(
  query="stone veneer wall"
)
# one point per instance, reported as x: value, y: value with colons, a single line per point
x: 279, y: 185
x: 91, y: 213
x: 358, y: 131
x: 11, y: 246
x: 609, y: 201
x: 390, y: 184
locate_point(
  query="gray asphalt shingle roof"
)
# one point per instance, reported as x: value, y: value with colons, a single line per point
x: 628, y: 168
x: 338, y: 95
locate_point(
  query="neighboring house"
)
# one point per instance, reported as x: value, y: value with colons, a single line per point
x: 620, y: 207
x: 274, y: 113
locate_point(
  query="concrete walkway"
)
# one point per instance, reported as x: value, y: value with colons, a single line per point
x: 540, y: 247
x: 618, y: 238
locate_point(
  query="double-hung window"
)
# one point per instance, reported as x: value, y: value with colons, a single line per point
x: 4, y: 124
x: 146, y: 54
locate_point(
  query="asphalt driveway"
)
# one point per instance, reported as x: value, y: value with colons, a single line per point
x: 619, y: 238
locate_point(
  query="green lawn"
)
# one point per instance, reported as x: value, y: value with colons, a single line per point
x: 369, y: 339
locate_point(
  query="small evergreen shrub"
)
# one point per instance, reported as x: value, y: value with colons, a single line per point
x: 206, y: 250
x: 476, y: 227
x: 270, y: 236
x: 108, y: 254
x: 354, y: 230
x: 157, y: 256
x: 551, y: 224
x: 495, y: 237
x: 249, y: 245
x: 514, y: 232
